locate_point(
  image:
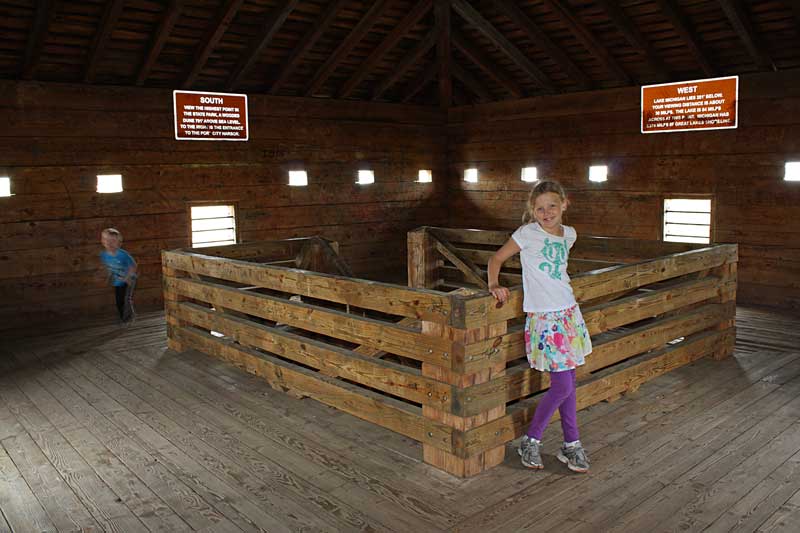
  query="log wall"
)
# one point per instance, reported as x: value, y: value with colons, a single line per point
x: 741, y: 169
x: 57, y: 138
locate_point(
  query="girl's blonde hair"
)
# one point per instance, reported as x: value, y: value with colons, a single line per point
x: 541, y: 187
x: 113, y: 232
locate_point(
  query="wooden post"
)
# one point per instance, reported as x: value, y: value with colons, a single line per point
x: 727, y: 294
x: 423, y: 260
x: 171, y: 300
x: 456, y: 463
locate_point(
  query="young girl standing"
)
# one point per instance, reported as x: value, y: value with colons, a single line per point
x: 556, y: 338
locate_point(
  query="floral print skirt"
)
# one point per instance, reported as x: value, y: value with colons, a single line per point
x: 556, y: 341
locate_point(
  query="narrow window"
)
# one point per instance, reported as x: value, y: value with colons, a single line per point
x: 598, y: 173
x: 471, y: 175
x: 108, y: 183
x: 792, y: 172
x: 687, y: 220
x: 213, y: 225
x: 529, y: 174
x: 365, y: 177
x: 425, y: 176
x: 5, y: 186
x: 298, y: 178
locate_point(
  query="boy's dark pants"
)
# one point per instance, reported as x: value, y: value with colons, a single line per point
x: 124, y: 297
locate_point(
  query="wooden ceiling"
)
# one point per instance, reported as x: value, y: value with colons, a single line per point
x: 436, y: 52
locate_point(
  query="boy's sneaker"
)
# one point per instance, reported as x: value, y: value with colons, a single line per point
x: 529, y: 451
x: 574, y: 457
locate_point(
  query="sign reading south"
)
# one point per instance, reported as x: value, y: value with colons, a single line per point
x: 710, y: 104
x: 210, y: 116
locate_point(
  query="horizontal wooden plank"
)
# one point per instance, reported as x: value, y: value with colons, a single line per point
x: 393, y: 299
x: 399, y: 380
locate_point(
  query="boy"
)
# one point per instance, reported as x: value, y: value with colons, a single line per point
x: 121, y: 271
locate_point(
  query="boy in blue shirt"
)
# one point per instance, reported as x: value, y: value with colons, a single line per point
x: 121, y: 272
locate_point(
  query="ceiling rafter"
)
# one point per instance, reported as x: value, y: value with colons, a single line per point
x: 391, y: 40
x: 685, y: 31
x: 107, y: 23
x: 471, y: 82
x: 309, y: 39
x: 473, y: 17
x: 486, y: 64
x: 211, y: 40
x: 159, y: 39
x: 425, y: 76
x: 443, y: 15
x: 744, y: 29
x: 265, y: 35
x: 412, y: 57
x: 540, y: 39
x: 355, y: 36
x: 634, y: 37
x: 589, y: 41
x: 33, y: 50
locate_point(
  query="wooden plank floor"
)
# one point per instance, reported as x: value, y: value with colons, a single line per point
x: 103, y: 429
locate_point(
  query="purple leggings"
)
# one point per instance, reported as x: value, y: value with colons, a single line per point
x: 561, y: 396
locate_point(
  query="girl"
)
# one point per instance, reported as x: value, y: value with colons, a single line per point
x: 556, y: 338
x: 121, y: 271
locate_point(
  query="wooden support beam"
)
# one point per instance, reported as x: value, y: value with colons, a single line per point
x: 333, y: 256
x: 738, y: 18
x: 107, y: 23
x: 540, y: 39
x: 473, y: 17
x: 391, y: 40
x: 471, y: 82
x: 638, y: 42
x: 355, y: 36
x: 425, y: 76
x: 265, y: 35
x: 411, y: 58
x: 158, y: 40
x: 486, y: 63
x: 33, y: 50
x: 464, y: 264
x: 211, y: 39
x: 306, y: 43
x: 589, y: 41
x: 687, y: 34
x: 444, y: 55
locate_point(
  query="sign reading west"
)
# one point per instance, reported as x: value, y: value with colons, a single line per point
x: 210, y: 116
x: 710, y: 104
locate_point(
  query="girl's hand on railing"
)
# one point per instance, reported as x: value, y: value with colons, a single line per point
x: 500, y: 293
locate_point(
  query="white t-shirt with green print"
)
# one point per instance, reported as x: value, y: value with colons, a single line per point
x: 544, y: 268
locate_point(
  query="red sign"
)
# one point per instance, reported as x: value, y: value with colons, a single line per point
x: 210, y: 116
x: 710, y: 104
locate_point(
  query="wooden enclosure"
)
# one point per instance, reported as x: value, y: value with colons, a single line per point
x: 440, y: 361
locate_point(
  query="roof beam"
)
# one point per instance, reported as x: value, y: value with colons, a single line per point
x: 686, y: 33
x: 540, y: 39
x: 358, y: 33
x: 107, y: 23
x: 271, y: 26
x: 211, y: 40
x: 391, y: 40
x: 410, y: 58
x: 442, y: 13
x: 471, y: 82
x: 634, y: 37
x: 486, y: 63
x: 36, y: 38
x: 585, y: 36
x: 741, y: 24
x: 159, y: 38
x: 471, y: 15
x: 306, y: 43
x: 425, y: 76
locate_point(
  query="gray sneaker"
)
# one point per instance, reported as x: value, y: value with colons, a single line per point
x: 529, y: 451
x: 574, y: 457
